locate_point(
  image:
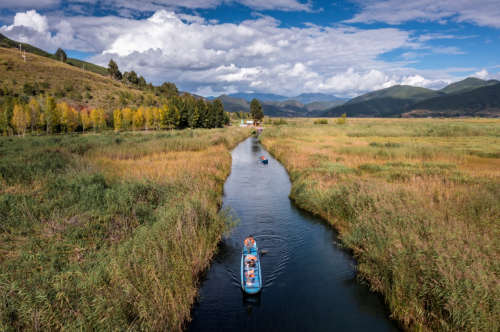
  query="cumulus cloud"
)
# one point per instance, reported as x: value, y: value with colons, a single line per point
x: 483, y: 13
x: 486, y: 75
x: 254, y: 55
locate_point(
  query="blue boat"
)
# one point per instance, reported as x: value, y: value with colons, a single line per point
x: 251, y: 277
x: 264, y: 161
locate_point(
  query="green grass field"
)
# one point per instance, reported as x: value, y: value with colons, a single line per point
x: 111, y: 231
x: 416, y: 201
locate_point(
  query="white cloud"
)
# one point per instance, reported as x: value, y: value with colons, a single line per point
x: 486, y: 75
x: 155, y: 5
x: 31, y: 19
x: 28, y: 4
x: 482, y: 13
x: 256, y: 55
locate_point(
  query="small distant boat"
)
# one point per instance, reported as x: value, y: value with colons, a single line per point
x: 264, y: 160
x: 251, y: 277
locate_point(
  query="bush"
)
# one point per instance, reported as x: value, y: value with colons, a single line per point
x: 279, y: 122
x: 321, y: 121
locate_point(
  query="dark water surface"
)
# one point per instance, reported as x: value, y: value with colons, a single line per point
x: 309, y: 282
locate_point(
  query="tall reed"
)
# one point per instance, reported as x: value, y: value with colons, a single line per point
x: 419, y: 210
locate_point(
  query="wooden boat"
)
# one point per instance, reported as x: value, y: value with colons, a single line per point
x: 251, y: 277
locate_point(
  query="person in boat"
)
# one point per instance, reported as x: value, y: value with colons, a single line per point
x: 251, y: 264
x: 249, y: 243
x: 250, y: 277
x: 251, y: 258
x: 262, y: 157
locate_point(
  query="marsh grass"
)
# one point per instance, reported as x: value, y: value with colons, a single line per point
x: 416, y: 205
x: 109, y: 232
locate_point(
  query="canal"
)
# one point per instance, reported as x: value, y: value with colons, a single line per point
x: 309, y: 281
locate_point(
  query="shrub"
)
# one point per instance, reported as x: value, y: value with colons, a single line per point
x: 321, y: 121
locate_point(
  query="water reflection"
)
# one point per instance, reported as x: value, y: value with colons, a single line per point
x: 309, y: 281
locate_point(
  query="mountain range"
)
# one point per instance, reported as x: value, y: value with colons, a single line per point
x: 469, y: 97
x: 277, y: 108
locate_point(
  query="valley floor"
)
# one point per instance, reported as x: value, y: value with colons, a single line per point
x: 109, y: 231
x: 418, y: 203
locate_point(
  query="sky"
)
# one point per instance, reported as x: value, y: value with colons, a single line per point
x: 285, y: 47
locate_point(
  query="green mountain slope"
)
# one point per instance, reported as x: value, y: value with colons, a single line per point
x: 468, y: 84
x: 483, y: 101
x: 398, y: 92
x: 370, y: 108
x: 8, y: 43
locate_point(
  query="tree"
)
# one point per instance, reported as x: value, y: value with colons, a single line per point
x: 50, y: 114
x: 94, y: 118
x: 69, y: 118
x: 193, y: 118
x: 102, y: 119
x: 342, y: 120
x: 20, y: 120
x: 85, y: 119
x: 256, y: 111
x: 113, y: 70
x: 127, y: 118
x: 138, y: 119
x: 61, y: 55
x: 118, y: 119
x: 34, y: 108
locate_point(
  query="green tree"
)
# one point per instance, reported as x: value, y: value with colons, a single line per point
x: 256, y: 111
x: 61, y: 55
x: 113, y: 70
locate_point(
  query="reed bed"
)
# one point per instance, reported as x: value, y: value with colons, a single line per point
x: 417, y: 202
x: 111, y: 231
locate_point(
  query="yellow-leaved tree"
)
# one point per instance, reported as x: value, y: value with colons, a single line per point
x: 138, y: 119
x: 94, y: 118
x: 20, y: 119
x: 102, y: 119
x: 117, y: 119
x: 50, y: 114
x: 85, y: 119
x: 127, y: 118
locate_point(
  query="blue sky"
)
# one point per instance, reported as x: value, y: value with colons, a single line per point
x: 286, y: 47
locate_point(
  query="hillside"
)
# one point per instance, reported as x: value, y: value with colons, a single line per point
x: 483, y: 101
x: 8, y: 43
x: 77, y: 87
x: 307, y: 98
x: 398, y: 92
x: 396, y: 100
x: 468, y: 84
x: 370, y: 108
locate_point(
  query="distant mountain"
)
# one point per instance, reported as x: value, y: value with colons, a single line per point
x: 482, y: 101
x: 370, y: 108
x: 468, y: 84
x: 398, y: 92
x: 399, y: 99
x: 289, y: 108
x: 306, y: 98
x: 259, y: 96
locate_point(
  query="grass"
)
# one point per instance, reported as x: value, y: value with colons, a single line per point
x: 109, y: 231
x: 71, y: 84
x: 417, y: 202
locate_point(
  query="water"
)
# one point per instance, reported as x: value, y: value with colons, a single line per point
x: 309, y: 282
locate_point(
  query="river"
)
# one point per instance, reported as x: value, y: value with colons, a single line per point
x: 309, y: 281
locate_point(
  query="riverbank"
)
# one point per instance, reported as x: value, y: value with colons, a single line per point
x: 110, y: 231
x: 417, y: 202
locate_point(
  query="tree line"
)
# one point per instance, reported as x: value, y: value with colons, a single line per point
x: 42, y: 115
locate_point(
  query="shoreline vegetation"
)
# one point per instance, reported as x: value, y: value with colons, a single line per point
x: 109, y: 231
x: 418, y: 204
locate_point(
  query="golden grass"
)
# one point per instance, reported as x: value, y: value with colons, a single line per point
x: 116, y: 231
x: 415, y: 203
x: 59, y: 76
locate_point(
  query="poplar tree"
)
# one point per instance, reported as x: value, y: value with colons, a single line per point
x: 256, y: 111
